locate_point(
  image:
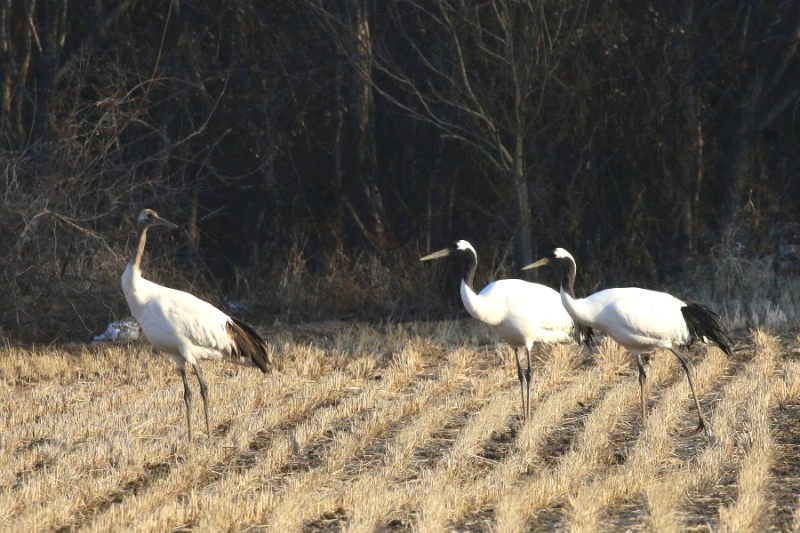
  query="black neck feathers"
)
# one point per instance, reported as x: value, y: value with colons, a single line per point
x: 568, y: 272
x: 470, y: 266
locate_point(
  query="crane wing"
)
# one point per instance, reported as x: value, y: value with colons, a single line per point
x: 177, y: 319
x: 638, y: 315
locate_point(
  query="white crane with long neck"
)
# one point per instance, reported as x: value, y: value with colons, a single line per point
x: 641, y: 320
x: 185, y: 327
x: 519, y: 312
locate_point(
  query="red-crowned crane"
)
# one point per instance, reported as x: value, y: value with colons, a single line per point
x: 184, y: 326
x: 641, y: 320
x: 519, y: 312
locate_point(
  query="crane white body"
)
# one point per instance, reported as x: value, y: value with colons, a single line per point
x: 185, y: 327
x: 178, y: 323
x: 519, y: 312
x: 641, y: 320
x: 638, y: 319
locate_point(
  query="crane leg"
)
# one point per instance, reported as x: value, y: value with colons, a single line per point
x: 187, y: 399
x: 642, y: 387
x: 204, y: 394
x: 702, y: 424
x: 521, y: 379
x: 528, y: 384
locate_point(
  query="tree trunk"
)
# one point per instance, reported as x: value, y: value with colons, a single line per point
x: 735, y: 157
x: 691, y: 158
x: 5, y: 70
x: 767, y: 86
x: 365, y: 112
x: 519, y: 183
x: 16, y: 46
x: 192, y: 229
x: 48, y: 66
x: 344, y: 202
x: 522, y: 234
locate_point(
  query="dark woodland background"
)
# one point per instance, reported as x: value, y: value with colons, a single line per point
x: 313, y: 150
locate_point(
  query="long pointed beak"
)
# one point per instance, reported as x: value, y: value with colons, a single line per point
x: 537, y: 264
x: 444, y: 252
x: 163, y: 222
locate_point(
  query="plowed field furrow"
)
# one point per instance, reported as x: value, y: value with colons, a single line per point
x: 121, y: 459
x: 435, y: 496
x: 81, y: 433
x: 593, y: 454
x: 666, y: 493
x: 527, y: 453
x: 54, y: 417
x: 114, y: 375
x: 93, y: 446
x: 261, y: 494
x: 401, y: 427
x: 154, y: 509
x: 785, y: 429
x: 626, y: 513
x: 400, y: 502
x: 283, y: 508
x: 653, y: 449
x: 397, y: 463
x: 753, y: 437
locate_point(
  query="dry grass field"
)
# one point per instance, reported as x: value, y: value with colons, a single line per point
x: 400, y: 427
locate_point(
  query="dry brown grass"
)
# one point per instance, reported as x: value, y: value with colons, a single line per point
x: 400, y: 427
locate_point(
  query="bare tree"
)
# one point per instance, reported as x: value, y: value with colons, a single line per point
x: 767, y: 37
x: 19, y: 40
x: 351, y: 30
x: 482, y: 82
x: 476, y: 72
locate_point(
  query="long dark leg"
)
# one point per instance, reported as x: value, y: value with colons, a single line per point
x: 521, y: 378
x: 528, y: 380
x: 187, y: 399
x: 685, y: 364
x: 642, y: 387
x: 204, y: 394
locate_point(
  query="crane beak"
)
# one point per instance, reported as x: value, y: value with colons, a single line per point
x: 537, y: 264
x: 163, y: 222
x: 444, y: 252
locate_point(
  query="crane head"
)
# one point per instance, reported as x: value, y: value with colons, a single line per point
x: 460, y: 246
x: 559, y: 254
x: 148, y: 218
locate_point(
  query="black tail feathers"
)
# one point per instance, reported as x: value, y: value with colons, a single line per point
x: 704, y: 324
x: 249, y: 344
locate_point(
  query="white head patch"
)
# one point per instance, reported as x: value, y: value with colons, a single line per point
x: 561, y: 253
x: 464, y: 245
